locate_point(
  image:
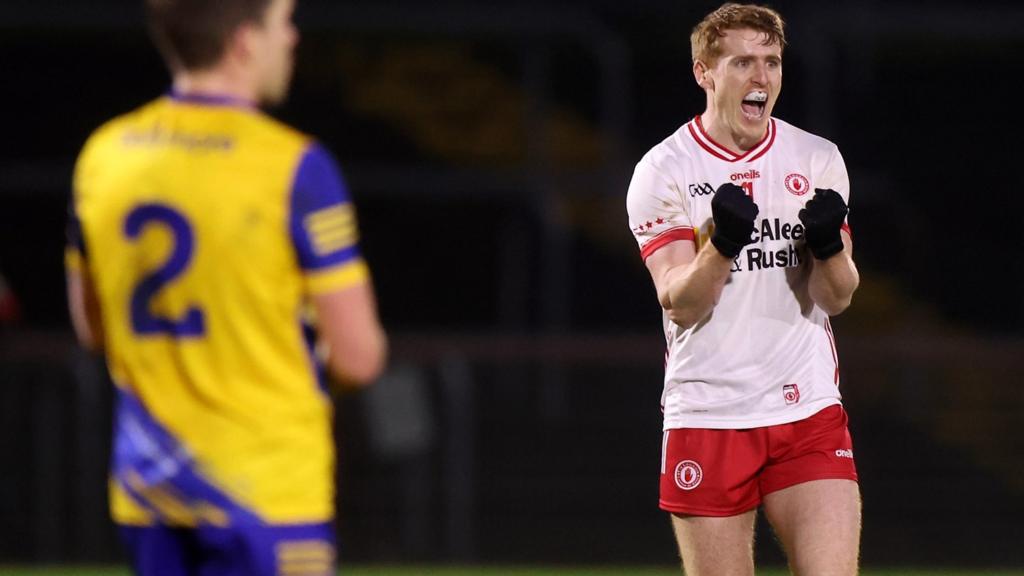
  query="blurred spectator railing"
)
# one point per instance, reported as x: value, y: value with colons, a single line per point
x: 451, y: 456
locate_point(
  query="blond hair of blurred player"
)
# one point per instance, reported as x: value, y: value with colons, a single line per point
x: 741, y: 221
x: 210, y: 249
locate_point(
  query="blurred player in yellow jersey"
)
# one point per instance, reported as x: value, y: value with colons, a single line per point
x: 202, y: 234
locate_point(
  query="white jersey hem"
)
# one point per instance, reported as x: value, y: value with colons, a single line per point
x: 699, y: 421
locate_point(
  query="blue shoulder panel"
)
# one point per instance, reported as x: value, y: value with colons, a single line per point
x: 322, y: 222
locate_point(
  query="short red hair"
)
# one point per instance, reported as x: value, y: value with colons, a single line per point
x: 704, y: 44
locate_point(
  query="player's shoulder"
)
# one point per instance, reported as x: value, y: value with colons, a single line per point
x: 245, y: 121
x: 261, y: 125
x: 803, y: 139
x: 117, y: 128
x: 103, y: 145
x: 670, y: 151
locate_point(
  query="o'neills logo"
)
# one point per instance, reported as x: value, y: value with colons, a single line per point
x: 688, y: 474
x: 797, y: 184
x: 748, y: 175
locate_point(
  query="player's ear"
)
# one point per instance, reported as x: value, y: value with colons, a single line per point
x: 241, y: 43
x: 702, y: 75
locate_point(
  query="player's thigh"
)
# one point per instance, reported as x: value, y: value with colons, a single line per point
x: 267, y: 550
x: 716, y: 545
x: 709, y: 472
x: 818, y: 523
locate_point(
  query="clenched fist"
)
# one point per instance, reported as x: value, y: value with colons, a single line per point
x: 823, y: 217
x: 734, y: 213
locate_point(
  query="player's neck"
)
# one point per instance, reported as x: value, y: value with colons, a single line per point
x: 723, y: 135
x: 214, y: 82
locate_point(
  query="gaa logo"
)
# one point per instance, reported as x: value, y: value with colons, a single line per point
x: 797, y: 184
x: 688, y: 474
x: 791, y: 393
x: 704, y: 189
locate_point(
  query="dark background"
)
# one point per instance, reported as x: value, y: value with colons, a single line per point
x: 489, y: 147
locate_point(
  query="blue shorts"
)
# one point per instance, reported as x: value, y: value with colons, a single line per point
x: 248, y: 550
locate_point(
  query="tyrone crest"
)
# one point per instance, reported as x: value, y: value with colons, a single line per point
x: 797, y: 184
x: 688, y: 474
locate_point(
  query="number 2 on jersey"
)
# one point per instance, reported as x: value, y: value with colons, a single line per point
x: 144, y: 322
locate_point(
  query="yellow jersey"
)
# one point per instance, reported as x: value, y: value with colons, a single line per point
x: 205, y: 226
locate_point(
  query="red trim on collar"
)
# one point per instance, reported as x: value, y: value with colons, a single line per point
x: 771, y: 131
x: 721, y: 152
x: 709, y: 149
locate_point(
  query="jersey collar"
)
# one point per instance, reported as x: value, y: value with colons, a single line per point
x: 209, y: 99
x: 696, y: 129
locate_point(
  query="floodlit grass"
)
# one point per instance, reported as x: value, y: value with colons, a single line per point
x: 385, y: 570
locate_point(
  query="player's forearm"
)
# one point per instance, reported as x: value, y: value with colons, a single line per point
x: 364, y: 362
x: 833, y: 282
x: 694, y: 289
x: 351, y: 337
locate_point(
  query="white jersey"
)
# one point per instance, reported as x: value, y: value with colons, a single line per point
x: 765, y: 354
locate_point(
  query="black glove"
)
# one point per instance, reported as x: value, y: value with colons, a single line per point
x: 734, y: 213
x: 823, y: 217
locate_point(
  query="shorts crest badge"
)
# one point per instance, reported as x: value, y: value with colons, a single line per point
x: 688, y: 474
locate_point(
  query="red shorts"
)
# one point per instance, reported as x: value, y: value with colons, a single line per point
x: 710, y: 472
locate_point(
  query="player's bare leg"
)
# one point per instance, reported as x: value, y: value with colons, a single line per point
x: 818, y: 524
x: 712, y: 546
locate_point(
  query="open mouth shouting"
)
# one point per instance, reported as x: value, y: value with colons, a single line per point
x: 754, y: 104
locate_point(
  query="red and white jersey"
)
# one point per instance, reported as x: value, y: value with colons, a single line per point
x: 765, y: 354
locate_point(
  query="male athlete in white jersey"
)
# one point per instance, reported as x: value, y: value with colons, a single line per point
x: 741, y: 221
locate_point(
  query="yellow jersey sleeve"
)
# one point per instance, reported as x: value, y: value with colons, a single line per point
x: 323, y: 225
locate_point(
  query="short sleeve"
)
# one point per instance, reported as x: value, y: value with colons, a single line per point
x: 835, y: 177
x: 83, y: 181
x: 657, y: 213
x: 323, y: 225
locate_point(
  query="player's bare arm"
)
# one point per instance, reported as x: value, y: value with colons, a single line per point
x: 833, y: 281
x: 348, y: 326
x: 85, y: 309
x: 688, y: 282
x: 834, y: 276
x: 689, y: 286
